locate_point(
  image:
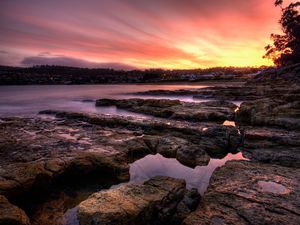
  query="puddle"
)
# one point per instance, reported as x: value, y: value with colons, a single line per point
x: 46, y: 117
x: 272, y: 187
x: 229, y: 123
x: 70, y: 217
x: 157, y: 165
x: 67, y: 136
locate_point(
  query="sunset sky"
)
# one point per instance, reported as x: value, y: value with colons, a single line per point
x: 136, y: 33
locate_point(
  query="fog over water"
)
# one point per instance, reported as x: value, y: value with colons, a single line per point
x: 29, y: 100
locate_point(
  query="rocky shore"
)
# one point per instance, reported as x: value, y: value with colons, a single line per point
x: 174, y: 109
x: 59, y: 166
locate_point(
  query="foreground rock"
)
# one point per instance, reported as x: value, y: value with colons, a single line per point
x: 250, y: 193
x: 160, y: 200
x: 10, y: 214
x: 174, y: 109
x: 36, y: 154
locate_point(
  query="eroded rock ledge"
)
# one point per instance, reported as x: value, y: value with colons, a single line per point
x: 280, y: 112
x: 174, y: 109
x: 160, y: 200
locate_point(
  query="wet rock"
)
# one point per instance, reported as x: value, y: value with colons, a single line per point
x: 191, y: 150
x: 271, y: 112
x: 11, y: 214
x: 187, y: 205
x: 187, y: 141
x: 250, y: 193
x: 169, y: 146
x: 272, y: 145
x: 227, y: 92
x: 174, y: 109
x: 153, y: 202
x: 127, y: 103
x: 34, y: 153
x: 180, y: 92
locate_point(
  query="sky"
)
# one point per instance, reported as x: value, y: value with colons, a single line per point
x: 129, y: 34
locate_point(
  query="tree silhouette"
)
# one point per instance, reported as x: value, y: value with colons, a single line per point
x: 285, y: 49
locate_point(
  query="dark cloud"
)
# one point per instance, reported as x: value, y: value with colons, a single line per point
x: 73, y: 62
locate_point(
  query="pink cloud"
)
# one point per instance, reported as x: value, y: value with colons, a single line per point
x: 141, y: 33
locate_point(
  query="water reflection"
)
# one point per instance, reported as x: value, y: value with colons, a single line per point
x: 70, y: 217
x: 272, y: 187
x: 229, y: 123
x: 157, y: 165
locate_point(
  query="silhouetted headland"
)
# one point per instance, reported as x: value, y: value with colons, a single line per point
x: 72, y: 75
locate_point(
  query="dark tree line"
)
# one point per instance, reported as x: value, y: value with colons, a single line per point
x: 285, y: 49
x: 46, y: 74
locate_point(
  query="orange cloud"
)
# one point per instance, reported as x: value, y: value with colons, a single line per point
x: 145, y: 34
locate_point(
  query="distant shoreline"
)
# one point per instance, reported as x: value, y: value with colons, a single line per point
x: 218, y: 82
x: 58, y: 75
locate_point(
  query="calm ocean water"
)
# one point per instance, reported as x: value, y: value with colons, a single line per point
x: 29, y: 100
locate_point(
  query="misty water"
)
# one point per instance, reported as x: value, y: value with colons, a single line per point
x: 29, y: 100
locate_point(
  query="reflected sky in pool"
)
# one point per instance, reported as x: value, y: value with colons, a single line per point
x: 157, y: 165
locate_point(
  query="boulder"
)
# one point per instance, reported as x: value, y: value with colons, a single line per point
x: 154, y: 202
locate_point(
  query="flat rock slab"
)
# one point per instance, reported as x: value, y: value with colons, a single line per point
x: 250, y: 193
x: 154, y: 202
x: 283, y: 111
x: 272, y: 145
x: 175, y: 109
x: 189, y: 142
x: 35, y: 152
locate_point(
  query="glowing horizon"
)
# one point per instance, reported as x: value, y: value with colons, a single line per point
x: 171, y: 34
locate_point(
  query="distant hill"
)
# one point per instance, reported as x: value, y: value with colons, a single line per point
x: 71, y: 75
